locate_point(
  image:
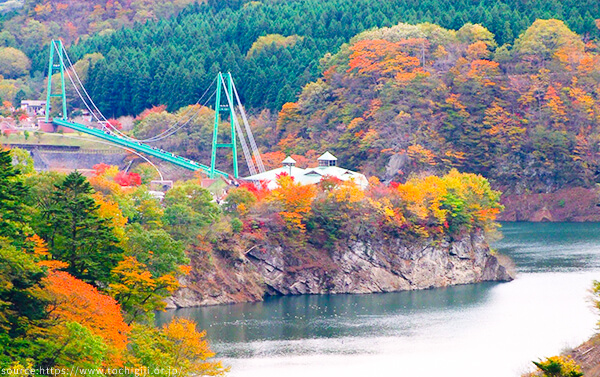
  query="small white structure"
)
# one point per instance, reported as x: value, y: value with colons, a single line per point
x: 309, y: 176
x: 33, y: 108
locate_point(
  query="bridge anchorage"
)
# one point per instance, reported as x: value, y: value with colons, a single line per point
x: 227, y: 101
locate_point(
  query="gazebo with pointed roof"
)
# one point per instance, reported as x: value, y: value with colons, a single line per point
x: 327, y: 159
x: 289, y: 161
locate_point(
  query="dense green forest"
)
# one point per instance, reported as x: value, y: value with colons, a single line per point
x: 146, y: 64
x: 273, y: 48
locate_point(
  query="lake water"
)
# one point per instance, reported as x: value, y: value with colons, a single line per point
x: 489, y: 329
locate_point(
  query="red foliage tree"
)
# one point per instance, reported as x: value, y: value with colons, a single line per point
x: 128, y: 179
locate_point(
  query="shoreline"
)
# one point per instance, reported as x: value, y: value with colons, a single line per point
x: 575, y: 204
x: 357, y: 268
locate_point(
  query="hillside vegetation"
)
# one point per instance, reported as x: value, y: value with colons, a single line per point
x: 273, y: 48
x: 86, y: 262
x: 82, y: 273
x: 414, y: 98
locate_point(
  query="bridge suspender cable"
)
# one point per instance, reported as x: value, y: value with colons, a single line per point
x: 247, y: 155
x: 255, y: 152
x: 164, y: 134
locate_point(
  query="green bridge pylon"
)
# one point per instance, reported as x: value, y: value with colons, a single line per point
x: 56, y: 48
x: 228, y: 107
x: 56, y: 64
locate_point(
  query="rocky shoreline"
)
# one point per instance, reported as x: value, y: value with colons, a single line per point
x: 359, y: 267
x: 576, y: 204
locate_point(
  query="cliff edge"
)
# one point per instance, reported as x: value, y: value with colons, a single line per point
x: 387, y: 265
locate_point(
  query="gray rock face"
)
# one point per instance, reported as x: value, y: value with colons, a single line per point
x: 384, y: 267
x: 356, y: 267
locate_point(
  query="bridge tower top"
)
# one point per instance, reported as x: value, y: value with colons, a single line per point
x: 56, y: 48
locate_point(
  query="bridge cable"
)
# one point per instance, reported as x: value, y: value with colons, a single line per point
x: 118, y: 146
x: 82, y: 87
x: 239, y: 131
x: 255, y: 151
x: 160, y: 136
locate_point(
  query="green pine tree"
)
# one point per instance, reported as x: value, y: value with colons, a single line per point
x: 13, y: 216
x: 77, y: 235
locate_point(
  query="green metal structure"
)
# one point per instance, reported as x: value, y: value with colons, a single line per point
x: 57, y: 64
x: 140, y: 147
x: 218, y: 109
x: 56, y: 47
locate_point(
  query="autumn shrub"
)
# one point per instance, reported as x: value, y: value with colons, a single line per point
x: 177, y: 346
x: 559, y: 366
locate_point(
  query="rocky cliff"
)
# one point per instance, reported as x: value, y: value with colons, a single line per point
x: 357, y: 267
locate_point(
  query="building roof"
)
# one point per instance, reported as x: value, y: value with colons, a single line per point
x: 327, y: 157
x: 271, y: 175
x: 309, y: 176
x: 288, y: 160
x: 31, y: 102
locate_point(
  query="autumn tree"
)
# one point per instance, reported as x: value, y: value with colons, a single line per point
x: 140, y: 293
x: 544, y: 39
x: 239, y: 200
x: 295, y: 200
x: 74, y: 301
x: 175, y: 346
x: 384, y: 58
x: 13, y: 63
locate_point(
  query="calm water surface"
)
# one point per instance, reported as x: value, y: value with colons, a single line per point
x: 477, y: 330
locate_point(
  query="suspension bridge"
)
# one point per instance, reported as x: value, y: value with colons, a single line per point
x: 60, y: 63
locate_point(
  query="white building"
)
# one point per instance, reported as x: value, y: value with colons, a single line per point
x: 309, y: 176
x: 33, y: 108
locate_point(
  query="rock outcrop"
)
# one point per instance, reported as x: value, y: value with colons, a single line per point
x: 357, y: 267
x: 385, y: 266
x: 567, y: 204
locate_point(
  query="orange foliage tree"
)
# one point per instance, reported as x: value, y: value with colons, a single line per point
x: 72, y: 300
x: 295, y: 200
x: 384, y: 59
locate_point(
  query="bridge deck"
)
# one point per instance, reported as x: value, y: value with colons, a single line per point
x: 138, y: 147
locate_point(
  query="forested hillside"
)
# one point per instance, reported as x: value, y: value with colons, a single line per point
x: 273, y: 48
x: 513, y: 100
x: 82, y: 272
x: 414, y: 98
x: 37, y: 21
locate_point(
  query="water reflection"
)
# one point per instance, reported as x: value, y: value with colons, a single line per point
x: 331, y: 316
x: 557, y: 247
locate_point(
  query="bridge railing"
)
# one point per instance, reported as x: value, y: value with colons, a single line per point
x: 137, y: 146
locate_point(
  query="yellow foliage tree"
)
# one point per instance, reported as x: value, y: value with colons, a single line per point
x: 138, y: 292
x: 295, y: 200
x: 109, y: 210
